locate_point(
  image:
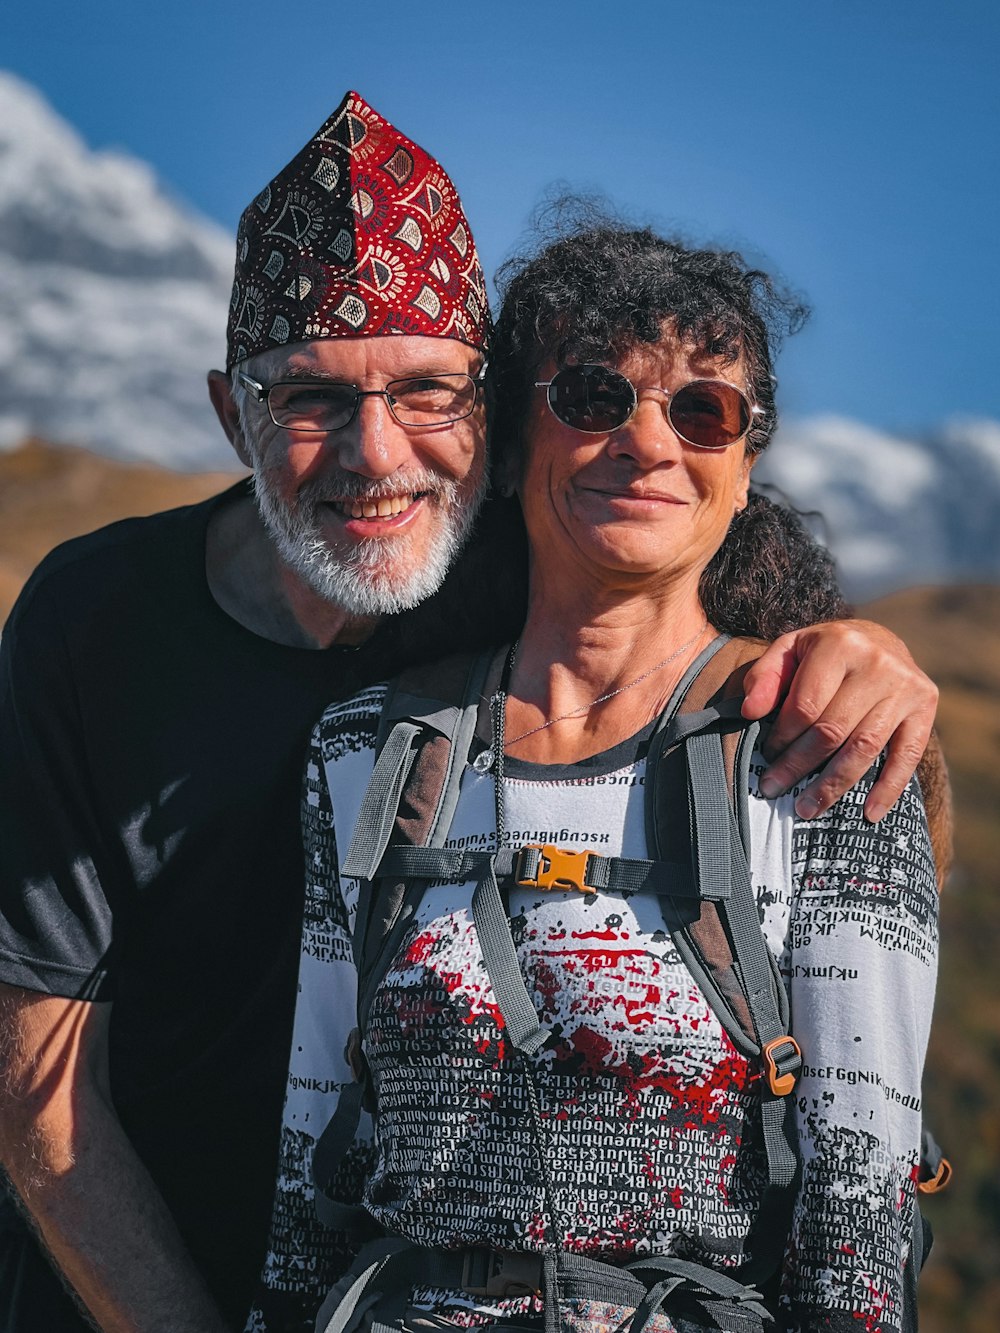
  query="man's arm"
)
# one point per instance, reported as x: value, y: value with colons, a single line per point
x: 848, y: 689
x: 96, y: 1209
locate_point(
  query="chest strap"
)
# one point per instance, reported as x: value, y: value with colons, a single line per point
x: 545, y: 867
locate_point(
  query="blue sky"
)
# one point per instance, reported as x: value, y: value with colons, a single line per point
x: 852, y: 146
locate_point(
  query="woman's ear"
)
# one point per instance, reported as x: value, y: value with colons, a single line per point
x: 742, y: 491
x: 504, y: 477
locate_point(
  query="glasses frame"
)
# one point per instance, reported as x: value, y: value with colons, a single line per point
x: 262, y: 394
x: 670, y: 394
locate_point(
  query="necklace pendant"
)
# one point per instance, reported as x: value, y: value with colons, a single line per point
x: 483, y: 761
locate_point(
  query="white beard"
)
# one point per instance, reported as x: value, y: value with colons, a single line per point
x: 378, y: 576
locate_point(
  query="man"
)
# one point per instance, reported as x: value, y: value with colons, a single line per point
x: 159, y: 679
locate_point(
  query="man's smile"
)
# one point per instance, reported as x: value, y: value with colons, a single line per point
x: 383, y: 507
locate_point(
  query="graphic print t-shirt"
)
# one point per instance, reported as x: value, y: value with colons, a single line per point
x: 648, y: 1115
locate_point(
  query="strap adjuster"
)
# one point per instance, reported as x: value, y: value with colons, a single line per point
x: 542, y: 866
x: 782, y: 1059
x: 488, y: 1272
x: 941, y: 1179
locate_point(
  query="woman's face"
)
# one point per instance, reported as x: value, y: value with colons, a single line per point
x: 638, y: 503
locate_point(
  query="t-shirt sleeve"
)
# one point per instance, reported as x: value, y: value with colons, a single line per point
x: 56, y: 860
x: 862, y: 962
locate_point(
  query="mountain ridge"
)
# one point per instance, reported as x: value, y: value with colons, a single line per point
x: 112, y: 298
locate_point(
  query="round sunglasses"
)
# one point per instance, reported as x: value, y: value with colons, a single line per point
x: 711, y: 414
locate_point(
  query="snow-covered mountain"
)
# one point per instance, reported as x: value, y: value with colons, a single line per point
x: 896, y: 512
x: 113, y: 305
x: 113, y: 298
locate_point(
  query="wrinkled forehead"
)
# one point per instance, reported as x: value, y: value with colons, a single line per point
x: 356, y: 359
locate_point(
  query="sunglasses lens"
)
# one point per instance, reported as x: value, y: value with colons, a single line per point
x: 594, y: 399
x: 710, y: 414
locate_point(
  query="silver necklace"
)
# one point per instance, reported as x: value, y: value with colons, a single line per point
x: 484, y: 761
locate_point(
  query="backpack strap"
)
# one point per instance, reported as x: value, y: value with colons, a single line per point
x: 427, y: 726
x: 697, y: 809
x: 427, y: 723
x: 702, y: 721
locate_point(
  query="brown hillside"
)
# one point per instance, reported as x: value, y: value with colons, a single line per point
x: 49, y: 494
x: 955, y: 635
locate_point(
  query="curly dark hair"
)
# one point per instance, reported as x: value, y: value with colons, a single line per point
x: 770, y: 576
x: 591, y: 287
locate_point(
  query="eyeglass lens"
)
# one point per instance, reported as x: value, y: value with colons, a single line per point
x: 328, y: 406
x: 596, y: 399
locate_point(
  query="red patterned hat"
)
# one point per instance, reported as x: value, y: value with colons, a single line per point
x: 361, y: 234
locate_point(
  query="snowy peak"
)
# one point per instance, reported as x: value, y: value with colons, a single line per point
x: 895, y: 511
x: 62, y: 203
x: 113, y: 298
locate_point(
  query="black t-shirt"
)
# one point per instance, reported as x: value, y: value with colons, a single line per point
x: 151, y: 755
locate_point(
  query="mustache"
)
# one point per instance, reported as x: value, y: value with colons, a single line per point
x: 341, y: 486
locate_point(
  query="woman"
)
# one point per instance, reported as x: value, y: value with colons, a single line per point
x: 636, y: 379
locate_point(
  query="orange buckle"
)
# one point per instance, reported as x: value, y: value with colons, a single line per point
x: 780, y: 1084
x: 557, y: 869
x: 940, y: 1180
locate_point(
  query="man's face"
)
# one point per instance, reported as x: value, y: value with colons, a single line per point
x: 371, y: 515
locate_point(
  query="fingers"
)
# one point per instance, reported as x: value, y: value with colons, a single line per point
x: 847, y: 755
x: 856, y: 692
x: 767, y: 681
x: 819, y: 703
x: 905, y: 751
x: 905, y: 746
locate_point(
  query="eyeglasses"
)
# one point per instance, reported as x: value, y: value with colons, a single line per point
x: 711, y: 414
x: 325, y: 405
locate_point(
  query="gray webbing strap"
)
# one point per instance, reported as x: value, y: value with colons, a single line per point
x: 629, y: 875
x: 381, y: 801
x: 461, y: 730
x: 719, y: 850
x: 331, y: 1149
x: 345, y: 1306
x: 681, y: 1273
x: 453, y: 865
x: 615, y: 874
x: 523, y: 1029
x: 682, y: 726
x: 719, y: 840
x: 692, y: 673
x: 711, y: 812
x: 395, y: 760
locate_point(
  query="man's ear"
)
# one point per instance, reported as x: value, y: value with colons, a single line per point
x: 220, y: 391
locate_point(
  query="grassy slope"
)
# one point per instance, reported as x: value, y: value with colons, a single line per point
x: 49, y: 494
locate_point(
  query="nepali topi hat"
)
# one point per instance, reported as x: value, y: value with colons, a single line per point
x: 361, y: 234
